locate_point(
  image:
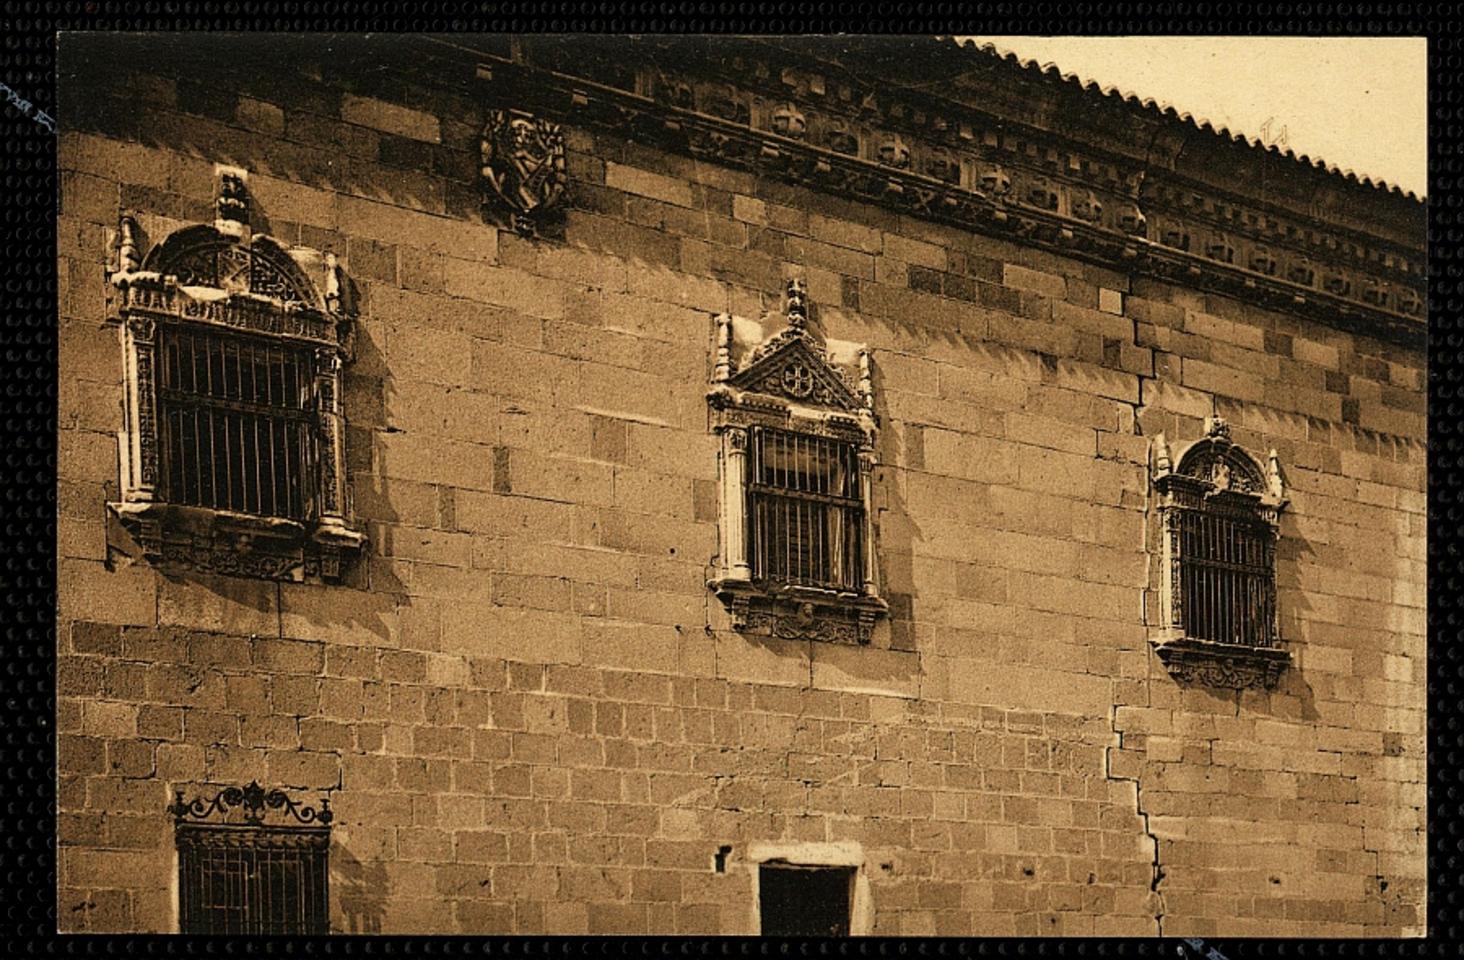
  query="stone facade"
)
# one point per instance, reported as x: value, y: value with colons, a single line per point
x: 529, y: 712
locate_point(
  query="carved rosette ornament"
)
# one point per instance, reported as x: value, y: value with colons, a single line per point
x: 795, y: 381
x: 220, y: 280
x: 1205, y: 487
x: 522, y: 166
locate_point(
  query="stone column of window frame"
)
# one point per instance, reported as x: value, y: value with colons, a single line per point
x: 138, y: 438
x: 332, y: 530
x: 867, y: 462
x: 734, y: 562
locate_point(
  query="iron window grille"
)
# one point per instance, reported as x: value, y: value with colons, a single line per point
x: 237, y: 425
x: 1227, y: 578
x: 248, y: 877
x: 232, y: 452
x: 805, y: 514
x: 1219, y: 512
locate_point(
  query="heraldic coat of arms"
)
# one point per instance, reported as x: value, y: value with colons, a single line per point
x: 523, y: 164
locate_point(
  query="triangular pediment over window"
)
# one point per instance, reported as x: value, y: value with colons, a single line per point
x: 780, y: 358
x: 803, y: 374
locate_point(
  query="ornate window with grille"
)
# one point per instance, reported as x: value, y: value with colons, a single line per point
x: 795, y: 414
x: 232, y: 449
x: 239, y: 874
x: 1219, y: 514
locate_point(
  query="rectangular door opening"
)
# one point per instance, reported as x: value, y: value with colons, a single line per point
x: 799, y: 900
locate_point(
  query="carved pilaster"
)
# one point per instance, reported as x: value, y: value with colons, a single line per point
x: 1174, y: 596
x: 735, y: 565
x: 866, y: 491
x: 332, y: 532
x: 139, y: 438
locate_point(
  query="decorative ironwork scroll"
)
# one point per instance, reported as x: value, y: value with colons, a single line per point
x: 253, y: 803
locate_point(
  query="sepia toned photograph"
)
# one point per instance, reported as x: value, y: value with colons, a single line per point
x: 786, y: 486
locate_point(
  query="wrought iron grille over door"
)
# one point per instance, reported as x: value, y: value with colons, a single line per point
x: 1227, y: 583
x: 237, y: 428
x: 805, y: 515
x: 253, y: 880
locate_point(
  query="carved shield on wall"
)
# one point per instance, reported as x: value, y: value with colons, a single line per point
x: 523, y: 163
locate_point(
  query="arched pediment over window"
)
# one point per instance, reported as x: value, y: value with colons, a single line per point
x: 205, y: 256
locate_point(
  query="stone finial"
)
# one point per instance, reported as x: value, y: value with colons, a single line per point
x: 332, y: 284
x: 797, y: 304
x: 232, y: 200
x: 1273, y: 476
x: 722, y: 371
x: 1217, y: 428
x: 128, y: 259
x: 866, y: 380
x: 1162, y: 463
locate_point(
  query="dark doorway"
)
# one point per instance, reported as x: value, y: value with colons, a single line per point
x: 804, y: 901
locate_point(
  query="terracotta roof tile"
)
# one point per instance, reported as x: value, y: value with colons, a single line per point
x: 1088, y: 86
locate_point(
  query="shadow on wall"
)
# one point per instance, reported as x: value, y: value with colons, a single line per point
x: 360, y: 889
x: 895, y: 530
x: 305, y: 142
x: 1293, y: 606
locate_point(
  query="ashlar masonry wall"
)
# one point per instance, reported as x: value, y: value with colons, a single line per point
x: 528, y: 711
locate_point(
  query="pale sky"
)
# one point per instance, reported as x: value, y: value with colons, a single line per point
x: 1358, y: 103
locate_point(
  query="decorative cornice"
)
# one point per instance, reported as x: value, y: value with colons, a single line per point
x: 958, y: 165
x: 800, y: 613
x: 1093, y: 92
x: 176, y: 537
x: 161, y: 297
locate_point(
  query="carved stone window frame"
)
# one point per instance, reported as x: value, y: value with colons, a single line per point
x: 816, y: 399
x: 1213, y: 475
x: 223, y: 278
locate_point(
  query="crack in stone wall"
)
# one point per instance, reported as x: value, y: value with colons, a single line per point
x: 1157, y: 876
